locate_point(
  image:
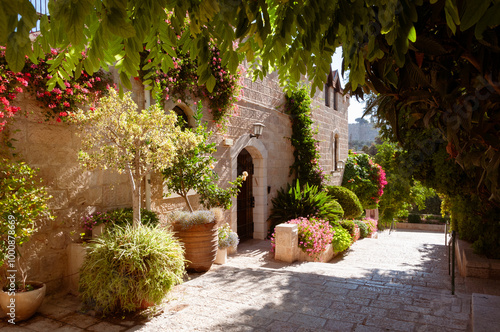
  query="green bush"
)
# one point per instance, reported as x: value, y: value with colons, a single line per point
x: 129, y: 266
x: 364, y: 231
x: 294, y: 202
x: 348, y: 200
x: 341, y: 239
x: 120, y: 217
x: 414, y: 218
x: 350, y: 226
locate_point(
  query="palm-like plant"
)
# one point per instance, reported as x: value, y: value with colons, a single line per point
x: 307, y: 201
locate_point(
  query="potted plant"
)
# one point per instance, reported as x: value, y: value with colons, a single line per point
x: 129, y: 268
x: 197, y: 230
x: 23, y: 200
x: 227, y: 239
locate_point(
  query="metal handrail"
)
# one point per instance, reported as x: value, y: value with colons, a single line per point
x: 451, y: 259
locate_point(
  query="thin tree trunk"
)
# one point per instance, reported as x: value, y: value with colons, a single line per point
x: 187, y: 202
x: 136, y: 203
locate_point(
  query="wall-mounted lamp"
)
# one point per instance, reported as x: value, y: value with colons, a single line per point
x: 257, y: 130
x: 340, y: 165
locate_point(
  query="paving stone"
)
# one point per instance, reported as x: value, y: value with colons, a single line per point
x: 279, y: 326
x: 105, y: 326
x: 337, y: 325
x: 42, y: 324
x: 79, y: 320
x: 307, y: 321
x: 68, y: 328
x: 390, y: 324
x: 344, y: 316
x: 365, y: 328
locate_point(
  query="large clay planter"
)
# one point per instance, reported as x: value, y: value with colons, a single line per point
x: 200, y: 243
x: 26, y: 303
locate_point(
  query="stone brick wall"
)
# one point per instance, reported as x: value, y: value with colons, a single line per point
x: 53, y: 148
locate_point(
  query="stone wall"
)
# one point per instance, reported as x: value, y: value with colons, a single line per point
x: 53, y: 148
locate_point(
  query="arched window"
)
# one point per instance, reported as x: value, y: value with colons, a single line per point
x: 182, y: 117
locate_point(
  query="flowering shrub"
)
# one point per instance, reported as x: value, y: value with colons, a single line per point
x: 314, y: 235
x: 181, y: 83
x: 365, y: 178
x: 372, y: 225
x: 227, y: 238
x: 58, y: 103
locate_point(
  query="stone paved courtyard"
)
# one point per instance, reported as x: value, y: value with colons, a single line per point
x: 398, y: 282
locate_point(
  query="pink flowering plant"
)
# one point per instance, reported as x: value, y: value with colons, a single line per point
x: 60, y: 102
x: 314, y: 235
x: 181, y: 83
x: 365, y: 178
x: 372, y: 225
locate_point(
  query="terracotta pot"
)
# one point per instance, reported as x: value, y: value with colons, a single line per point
x: 26, y: 303
x: 200, y: 243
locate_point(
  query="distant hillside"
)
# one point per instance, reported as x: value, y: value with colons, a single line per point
x: 360, y: 134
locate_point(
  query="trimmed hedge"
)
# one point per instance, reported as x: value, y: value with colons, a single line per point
x: 348, y: 200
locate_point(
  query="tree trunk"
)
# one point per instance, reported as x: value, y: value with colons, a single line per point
x: 136, y: 203
x: 187, y: 202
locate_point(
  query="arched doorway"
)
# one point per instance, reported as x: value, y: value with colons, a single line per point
x: 245, y: 200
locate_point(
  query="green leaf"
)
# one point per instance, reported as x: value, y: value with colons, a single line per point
x: 474, y: 10
x: 125, y: 80
x: 211, y: 83
x: 14, y: 54
x: 412, y: 35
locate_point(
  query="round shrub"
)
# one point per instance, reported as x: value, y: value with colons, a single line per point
x: 350, y: 226
x: 364, y: 230
x: 348, y: 200
x: 128, y: 266
x: 341, y: 239
x: 414, y: 218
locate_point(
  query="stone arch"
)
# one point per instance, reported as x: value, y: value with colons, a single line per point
x: 258, y: 152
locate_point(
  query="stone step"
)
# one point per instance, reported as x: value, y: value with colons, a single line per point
x: 485, y: 313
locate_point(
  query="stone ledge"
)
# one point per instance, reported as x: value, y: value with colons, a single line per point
x: 485, y: 309
x: 420, y: 227
x: 474, y: 265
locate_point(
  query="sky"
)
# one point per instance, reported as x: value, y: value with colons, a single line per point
x: 355, y: 108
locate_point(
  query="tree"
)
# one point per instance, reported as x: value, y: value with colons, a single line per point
x: 115, y: 135
x: 401, y: 191
x: 193, y: 170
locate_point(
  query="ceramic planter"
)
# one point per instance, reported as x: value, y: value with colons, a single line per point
x: 221, y: 257
x: 200, y: 244
x: 26, y: 303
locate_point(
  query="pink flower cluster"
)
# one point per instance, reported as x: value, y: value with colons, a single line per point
x: 371, y: 223
x: 314, y: 235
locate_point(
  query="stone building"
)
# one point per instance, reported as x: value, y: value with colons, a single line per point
x: 77, y: 193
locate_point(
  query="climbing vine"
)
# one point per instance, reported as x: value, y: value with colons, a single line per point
x: 306, y: 165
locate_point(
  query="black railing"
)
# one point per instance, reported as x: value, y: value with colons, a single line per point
x: 41, y: 7
x: 451, y: 259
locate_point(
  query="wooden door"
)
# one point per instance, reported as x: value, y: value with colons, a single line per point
x: 245, y: 199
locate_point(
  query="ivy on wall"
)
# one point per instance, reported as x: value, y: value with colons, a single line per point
x: 306, y: 165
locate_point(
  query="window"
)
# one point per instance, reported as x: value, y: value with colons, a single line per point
x: 335, y: 152
x: 327, y: 95
x: 335, y: 100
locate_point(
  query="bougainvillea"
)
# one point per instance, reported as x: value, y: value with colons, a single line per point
x: 181, y: 83
x: 60, y: 102
x: 365, y: 178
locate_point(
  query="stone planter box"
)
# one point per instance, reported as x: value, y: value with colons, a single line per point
x: 421, y: 227
x: 473, y: 265
x: 76, y: 253
x: 287, y: 246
